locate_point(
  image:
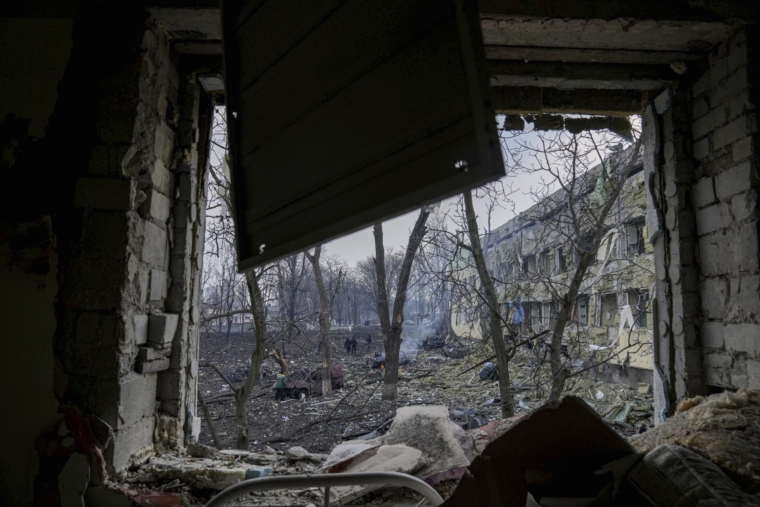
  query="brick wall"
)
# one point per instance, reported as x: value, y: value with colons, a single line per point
x: 724, y: 197
x: 132, y: 241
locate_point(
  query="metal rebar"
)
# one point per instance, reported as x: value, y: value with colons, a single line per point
x: 327, y: 496
x: 326, y: 481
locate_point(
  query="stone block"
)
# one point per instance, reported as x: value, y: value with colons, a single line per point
x: 744, y: 205
x: 737, y: 82
x: 161, y: 328
x: 714, y: 294
x: 712, y: 335
x: 143, y: 278
x: 156, y: 206
x: 703, y: 126
x: 718, y: 71
x: 715, y: 377
x: 131, y: 444
x: 743, y: 300
x: 738, y: 105
x: 700, y: 108
x: 742, y: 337
x: 157, y: 285
x: 702, y: 85
x: 703, y: 193
x: 753, y: 374
x: 140, y: 326
x: 742, y: 149
x: 711, y: 219
x: 739, y: 178
x: 718, y: 360
x: 162, y: 178
x: 164, y: 143
x: 738, y: 379
x: 155, y: 245
x: 152, y: 366
x: 148, y: 354
x: 170, y: 385
x: 124, y: 401
x: 727, y: 134
x: 702, y: 148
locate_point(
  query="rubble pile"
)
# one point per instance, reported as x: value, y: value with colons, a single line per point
x: 724, y: 428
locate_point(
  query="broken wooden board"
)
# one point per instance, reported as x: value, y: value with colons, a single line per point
x: 557, y: 447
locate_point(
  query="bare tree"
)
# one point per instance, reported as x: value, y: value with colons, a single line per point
x: 392, y: 325
x: 220, y: 250
x: 326, y: 301
x: 491, y: 297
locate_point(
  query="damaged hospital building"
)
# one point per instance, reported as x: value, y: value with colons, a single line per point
x: 531, y: 259
x: 341, y: 115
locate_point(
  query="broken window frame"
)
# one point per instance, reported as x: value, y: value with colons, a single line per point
x: 605, y: 302
x: 528, y: 262
x: 637, y: 300
x: 634, y: 237
x: 560, y: 263
x: 581, y: 300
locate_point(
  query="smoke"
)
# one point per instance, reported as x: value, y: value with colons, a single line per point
x: 414, y: 336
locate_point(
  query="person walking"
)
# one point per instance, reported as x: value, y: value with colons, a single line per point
x: 347, y: 344
x: 369, y: 340
x: 280, y: 384
x: 353, y: 345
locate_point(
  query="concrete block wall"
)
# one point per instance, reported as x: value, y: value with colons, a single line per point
x: 123, y: 327
x: 725, y: 197
x: 177, y: 386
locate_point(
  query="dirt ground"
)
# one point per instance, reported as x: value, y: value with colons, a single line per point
x: 319, y: 423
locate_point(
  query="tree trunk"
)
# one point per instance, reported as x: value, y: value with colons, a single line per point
x: 260, y: 328
x: 209, y: 421
x: 324, y: 319
x: 392, y: 329
x: 492, y: 300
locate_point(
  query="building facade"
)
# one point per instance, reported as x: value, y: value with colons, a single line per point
x: 533, y: 261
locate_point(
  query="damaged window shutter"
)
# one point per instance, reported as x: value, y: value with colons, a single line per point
x: 345, y: 113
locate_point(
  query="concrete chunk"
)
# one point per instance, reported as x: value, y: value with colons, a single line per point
x: 155, y: 245
x: 153, y: 366
x: 157, y: 285
x: 161, y: 328
x: 122, y: 402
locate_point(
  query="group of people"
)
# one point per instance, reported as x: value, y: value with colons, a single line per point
x: 352, y: 342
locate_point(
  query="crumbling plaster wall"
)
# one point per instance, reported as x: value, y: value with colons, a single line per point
x: 725, y: 199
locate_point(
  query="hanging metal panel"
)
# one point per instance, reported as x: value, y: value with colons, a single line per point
x: 345, y: 113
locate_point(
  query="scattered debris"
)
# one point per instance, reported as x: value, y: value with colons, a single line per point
x: 199, y: 472
x: 725, y: 428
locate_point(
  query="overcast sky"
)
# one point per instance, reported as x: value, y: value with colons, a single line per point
x: 361, y: 244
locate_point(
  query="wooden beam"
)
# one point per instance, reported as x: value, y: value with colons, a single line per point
x: 529, y: 99
x: 581, y: 75
x: 705, y: 10
x: 616, y: 56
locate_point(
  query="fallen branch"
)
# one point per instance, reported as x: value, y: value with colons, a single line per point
x: 209, y: 422
x: 290, y: 435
